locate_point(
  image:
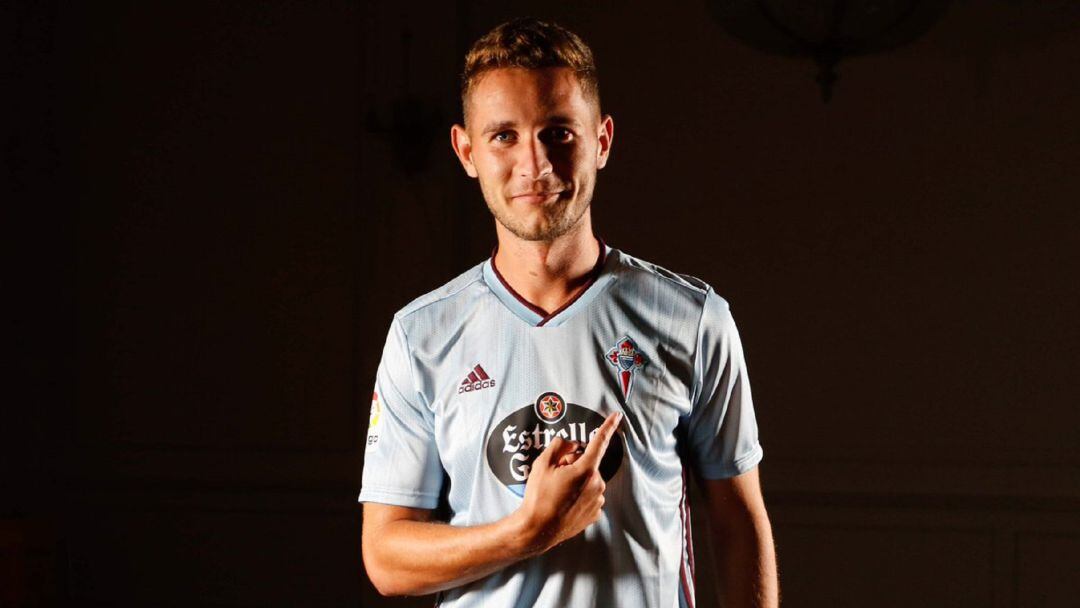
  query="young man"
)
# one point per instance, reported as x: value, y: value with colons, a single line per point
x: 553, y: 394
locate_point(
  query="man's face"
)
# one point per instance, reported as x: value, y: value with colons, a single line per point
x: 535, y: 142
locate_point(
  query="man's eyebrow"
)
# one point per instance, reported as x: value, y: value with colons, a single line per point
x: 563, y: 120
x: 495, y: 127
x: 502, y: 125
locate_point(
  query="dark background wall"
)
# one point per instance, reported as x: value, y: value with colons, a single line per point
x: 212, y: 211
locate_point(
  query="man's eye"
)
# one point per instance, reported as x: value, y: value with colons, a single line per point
x: 560, y: 135
x: 504, y: 137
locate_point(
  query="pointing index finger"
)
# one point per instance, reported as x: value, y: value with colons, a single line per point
x: 594, y: 452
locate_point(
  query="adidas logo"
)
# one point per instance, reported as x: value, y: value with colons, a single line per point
x: 476, y: 380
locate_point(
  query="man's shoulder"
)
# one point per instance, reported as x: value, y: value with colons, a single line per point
x: 678, y: 283
x: 448, y: 294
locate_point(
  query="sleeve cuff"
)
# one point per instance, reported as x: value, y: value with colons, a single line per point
x: 399, y: 498
x: 740, y: 466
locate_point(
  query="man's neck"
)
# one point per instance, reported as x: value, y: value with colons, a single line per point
x: 547, y: 274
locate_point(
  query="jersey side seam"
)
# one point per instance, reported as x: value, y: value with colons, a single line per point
x: 697, y: 355
x: 412, y: 362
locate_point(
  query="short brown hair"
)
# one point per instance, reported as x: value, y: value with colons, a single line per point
x: 532, y: 44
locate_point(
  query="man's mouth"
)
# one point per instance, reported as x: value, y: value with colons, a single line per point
x: 536, y: 197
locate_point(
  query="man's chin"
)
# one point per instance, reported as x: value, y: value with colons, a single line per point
x: 539, y: 226
x: 533, y: 235
x: 542, y: 232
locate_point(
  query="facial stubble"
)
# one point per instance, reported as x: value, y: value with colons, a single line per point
x: 562, y: 216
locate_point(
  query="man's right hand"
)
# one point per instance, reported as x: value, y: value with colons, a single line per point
x: 565, y: 494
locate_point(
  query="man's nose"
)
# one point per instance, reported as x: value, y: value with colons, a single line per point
x: 534, y: 162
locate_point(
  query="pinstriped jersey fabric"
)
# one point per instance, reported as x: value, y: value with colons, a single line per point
x: 474, y: 382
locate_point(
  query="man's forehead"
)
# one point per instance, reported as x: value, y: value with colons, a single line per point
x: 514, y: 94
x: 548, y: 86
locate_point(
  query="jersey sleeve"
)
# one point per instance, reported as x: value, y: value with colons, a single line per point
x: 721, y: 430
x: 401, y: 462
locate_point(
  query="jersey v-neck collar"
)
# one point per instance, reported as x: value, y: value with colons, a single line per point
x: 601, y: 275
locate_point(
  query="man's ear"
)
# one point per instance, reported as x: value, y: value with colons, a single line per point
x: 459, y: 140
x: 604, y: 133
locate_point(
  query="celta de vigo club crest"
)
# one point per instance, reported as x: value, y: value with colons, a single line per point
x: 627, y: 359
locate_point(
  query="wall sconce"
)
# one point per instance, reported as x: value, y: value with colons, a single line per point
x: 826, y: 30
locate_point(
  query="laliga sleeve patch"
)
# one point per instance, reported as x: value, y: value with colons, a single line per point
x: 514, y: 443
x: 373, y: 422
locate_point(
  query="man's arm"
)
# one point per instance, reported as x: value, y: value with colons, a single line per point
x: 742, y: 537
x: 405, y: 553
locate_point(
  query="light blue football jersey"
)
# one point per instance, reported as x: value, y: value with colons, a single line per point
x: 474, y: 382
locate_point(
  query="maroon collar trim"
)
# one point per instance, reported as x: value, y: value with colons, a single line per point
x: 544, y: 316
